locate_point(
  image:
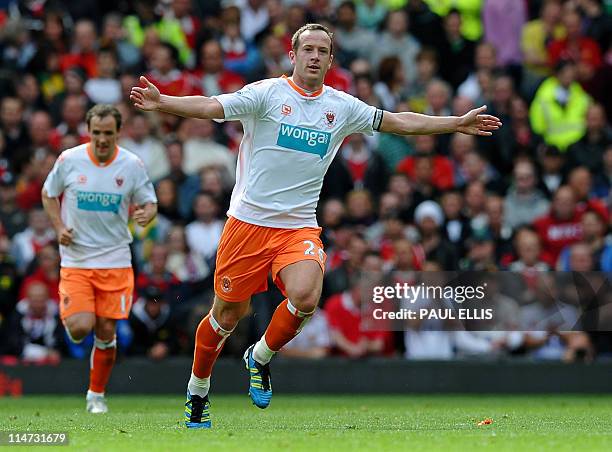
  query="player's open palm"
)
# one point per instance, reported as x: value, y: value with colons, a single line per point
x: 476, y: 123
x: 146, y: 98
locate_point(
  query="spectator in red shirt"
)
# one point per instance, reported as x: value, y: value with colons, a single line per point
x: 83, y: 53
x: 339, y: 78
x: 407, y: 259
x: 165, y: 74
x: 581, y: 181
x: 528, y: 264
x: 424, y: 181
x: 212, y: 77
x: 349, y: 336
x: 442, y: 176
x: 393, y: 228
x: 239, y: 53
x: 155, y: 274
x: 365, y: 165
x: 337, y: 280
x: 561, y: 227
x: 575, y: 47
x: 31, y: 181
x: 47, y: 272
x: 73, y: 121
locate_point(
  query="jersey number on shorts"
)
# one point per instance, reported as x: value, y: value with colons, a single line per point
x: 310, y: 251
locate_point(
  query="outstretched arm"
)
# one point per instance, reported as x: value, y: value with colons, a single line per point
x: 471, y: 123
x: 149, y: 99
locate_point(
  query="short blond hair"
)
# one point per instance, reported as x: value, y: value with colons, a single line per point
x: 295, y: 40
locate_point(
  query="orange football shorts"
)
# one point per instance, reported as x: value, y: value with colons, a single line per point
x: 105, y: 292
x: 247, y: 253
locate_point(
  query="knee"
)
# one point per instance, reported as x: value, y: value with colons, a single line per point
x: 79, y: 332
x: 228, y: 316
x: 79, y: 328
x: 105, y: 329
x: 304, y: 298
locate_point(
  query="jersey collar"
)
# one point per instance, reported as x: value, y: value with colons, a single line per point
x: 95, y: 160
x: 300, y: 91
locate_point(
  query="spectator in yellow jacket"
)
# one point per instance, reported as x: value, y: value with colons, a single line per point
x: 558, y: 111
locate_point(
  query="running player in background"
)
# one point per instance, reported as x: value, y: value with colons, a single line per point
x: 99, y: 182
x: 293, y: 127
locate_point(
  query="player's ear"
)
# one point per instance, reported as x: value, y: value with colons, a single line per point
x: 331, y: 60
x: 292, y: 57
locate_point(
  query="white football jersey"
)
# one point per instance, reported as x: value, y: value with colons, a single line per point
x: 96, y: 204
x: 290, y: 139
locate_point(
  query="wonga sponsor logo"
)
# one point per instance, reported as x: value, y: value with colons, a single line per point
x: 303, y: 139
x: 98, y: 202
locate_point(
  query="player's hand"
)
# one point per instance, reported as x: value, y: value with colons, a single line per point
x: 147, y: 98
x: 64, y: 236
x: 141, y: 216
x: 476, y: 123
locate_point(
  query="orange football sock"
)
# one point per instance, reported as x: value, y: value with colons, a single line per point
x: 101, y: 364
x: 286, y: 323
x: 209, y: 341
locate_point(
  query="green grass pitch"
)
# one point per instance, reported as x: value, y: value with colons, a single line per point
x: 336, y: 423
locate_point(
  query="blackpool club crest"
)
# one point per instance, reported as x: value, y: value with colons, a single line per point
x: 119, y: 181
x: 226, y: 284
x: 330, y: 118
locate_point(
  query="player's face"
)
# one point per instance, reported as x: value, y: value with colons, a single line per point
x: 313, y: 57
x: 103, y: 133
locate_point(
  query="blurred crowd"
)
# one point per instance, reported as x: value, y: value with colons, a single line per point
x: 533, y: 198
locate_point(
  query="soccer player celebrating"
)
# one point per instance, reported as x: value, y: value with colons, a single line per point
x: 99, y: 182
x: 293, y: 127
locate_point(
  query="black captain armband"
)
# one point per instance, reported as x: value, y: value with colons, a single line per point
x: 378, y: 117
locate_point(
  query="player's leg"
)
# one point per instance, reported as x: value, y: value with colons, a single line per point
x: 298, y: 270
x: 77, y: 303
x: 102, y: 360
x: 303, y: 283
x: 113, y: 301
x: 211, y: 334
x: 243, y: 264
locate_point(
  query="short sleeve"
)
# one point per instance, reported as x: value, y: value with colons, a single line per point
x: 362, y: 117
x: 144, y: 192
x: 56, y: 180
x: 245, y: 102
